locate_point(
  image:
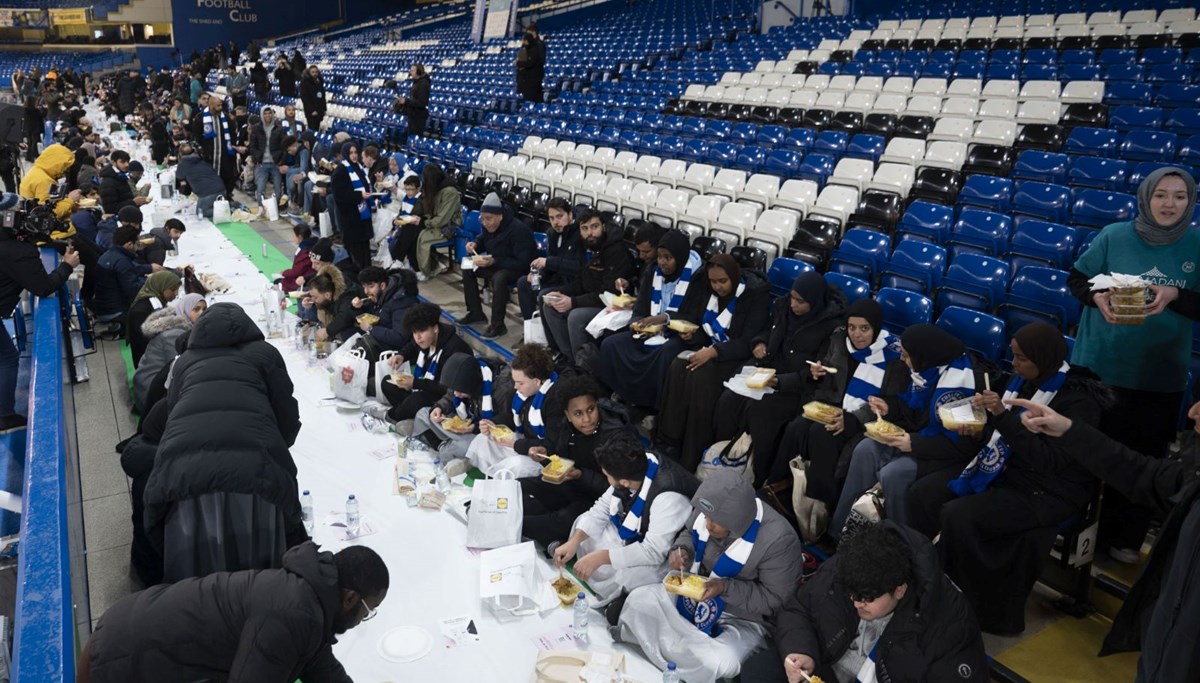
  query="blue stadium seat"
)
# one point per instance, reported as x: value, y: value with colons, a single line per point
x: 1189, y: 151
x: 1145, y: 168
x: 744, y: 133
x: 800, y: 140
x: 1094, y: 141
x: 987, y: 192
x: 1077, y: 57
x: 831, y: 142
x: 914, y: 265
x: 928, y: 220
x: 695, y: 127
x: 1184, y: 121
x: 903, y: 308
x: 783, y: 162
x: 854, y: 288
x: 650, y: 144
x: 979, y: 332
x: 783, y: 272
x: 1037, y: 242
x: 1039, y: 294
x: 1098, y: 208
x: 750, y: 159
x: 864, y: 146
x: 1116, y: 94
x: 1042, y: 200
x: 722, y: 154
x: 1081, y: 72
x: 1098, y: 172
x: 1127, y: 118
x: 716, y: 131
x: 771, y: 136
x: 1176, y: 95
x: 816, y: 167
x: 671, y: 147
x: 695, y: 151
x: 1150, y: 145
x: 1046, y: 167
x: 1170, y: 73
x: 973, y: 281
x: 861, y: 253
x: 985, y: 232
x: 1161, y: 55
x: 1123, y: 73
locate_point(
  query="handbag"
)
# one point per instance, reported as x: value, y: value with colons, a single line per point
x: 382, y: 371
x: 867, y: 511
x: 811, y: 515
x: 736, y: 454
x: 325, y: 223
x: 221, y: 212
x: 355, y: 359
x: 535, y: 333
x: 495, y: 517
x: 270, y: 206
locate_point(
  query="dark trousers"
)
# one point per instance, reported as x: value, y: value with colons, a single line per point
x: 416, y: 122
x: 686, y: 419
x: 360, y: 253
x: 529, y: 300
x: 1145, y: 421
x: 228, y: 172
x: 404, y: 245
x: 314, y: 122
x: 551, y: 509
x: 822, y: 451
x: 763, y: 419
x: 9, y: 178
x: 89, y: 257
x: 501, y: 280
x: 406, y: 404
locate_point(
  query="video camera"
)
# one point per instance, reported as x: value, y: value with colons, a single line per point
x: 32, y: 221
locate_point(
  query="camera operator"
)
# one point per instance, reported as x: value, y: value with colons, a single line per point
x: 21, y: 269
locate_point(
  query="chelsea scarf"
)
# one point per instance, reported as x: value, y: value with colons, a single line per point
x: 716, y: 323
x: 210, y: 131
x: 954, y: 381
x: 359, y: 185
x: 704, y: 615
x: 288, y: 127
x: 536, y: 423
x: 681, y: 286
x: 426, y: 365
x: 990, y: 462
x: 485, y: 401
x: 630, y: 528
x: 872, y: 363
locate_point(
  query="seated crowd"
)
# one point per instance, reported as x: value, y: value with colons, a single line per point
x: 938, y: 530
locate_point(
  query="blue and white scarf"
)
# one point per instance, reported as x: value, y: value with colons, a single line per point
x: 872, y: 364
x: 426, y: 364
x: 990, y: 462
x: 630, y: 528
x: 704, y: 615
x: 210, y: 131
x: 536, y: 422
x: 681, y: 286
x: 360, y: 185
x: 288, y: 128
x: 716, y: 322
x: 866, y: 674
x: 954, y: 382
x: 485, y: 402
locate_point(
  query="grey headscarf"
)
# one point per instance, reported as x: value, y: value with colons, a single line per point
x: 1147, y: 228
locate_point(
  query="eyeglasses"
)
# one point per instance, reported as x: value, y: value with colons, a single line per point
x: 864, y: 598
x: 370, y: 612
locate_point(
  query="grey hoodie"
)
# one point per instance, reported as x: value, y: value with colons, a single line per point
x: 161, y: 329
x: 771, y: 573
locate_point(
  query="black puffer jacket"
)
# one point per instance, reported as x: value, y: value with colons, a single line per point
x: 346, y: 201
x: 21, y: 269
x: 582, y: 447
x: 512, y: 245
x: 257, y: 625
x: 931, y: 638
x: 231, y: 377
x: 115, y: 193
x: 750, y: 317
x: 788, y: 353
x: 600, y: 271
x: 400, y: 295
x: 450, y: 344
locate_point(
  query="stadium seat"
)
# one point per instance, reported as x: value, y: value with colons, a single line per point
x: 903, y: 308
x: 1037, y: 242
x: 815, y: 238
x: 797, y: 195
x: 854, y: 288
x: 973, y: 281
x: 1045, y: 167
x: 1098, y: 208
x: 864, y: 146
x: 993, y: 160
x: 1039, y: 294
x: 987, y: 192
x: 1042, y: 200
x: 979, y: 332
x: 980, y: 231
x: 1126, y: 118
x: 1097, y: 172
x: 927, y: 220
x: 877, y: 209
x: 939, y: 185
x: 783, y: 272
x: 861, y: 253
x: 914, y: 265
x: 895, y: 178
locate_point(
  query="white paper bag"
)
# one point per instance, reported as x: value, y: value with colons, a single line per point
x: 609, y: 319
x: 811, y: 513
x: 508, y: 578
x: 270, y: 207
x: 494, y: 519
x: 382, y: 224
x: 355, y: 360
x: 382, y: 372
x: 221, y: 212
x: 535, y: 333
x: 325, y: 223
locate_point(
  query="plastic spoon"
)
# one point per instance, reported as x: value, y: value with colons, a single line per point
x: 832, y: 371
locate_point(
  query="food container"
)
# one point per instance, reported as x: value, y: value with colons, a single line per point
x: 457, y: 425
x: 759, y: 378
x: 566, y: 590
x: 321, y: 349
x: 86, y: 203
x: 685, y: 584
x: 881, y: 429
x: 623, y: 301
x: 646, y: 329
x: 479, y: 259
x: 367, y: 319
x: 962, y: 413
x: 682, y: 326
x: 298, y: 294
x: 555, y: 471
x: 1128, y: 305
x: 501, y: 433
x: 822, y: 412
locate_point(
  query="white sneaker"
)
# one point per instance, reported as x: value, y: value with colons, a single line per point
x: 422, y: 277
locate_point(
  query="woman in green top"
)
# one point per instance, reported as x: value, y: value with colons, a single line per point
x: 1147, y: 364
x: 436, y: 217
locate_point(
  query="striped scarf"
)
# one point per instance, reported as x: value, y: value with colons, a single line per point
x: 705, y: 615
x: 954, y: 382
x: 289, y: 127
x: 427, y: 365
x: 536, y: 423
x: 866, y: 674
x: 630, y: 528
x: 716, y: 323
x: 210, y: 131
x: 872, y: 363
x: 359, y: 185
x: 990, y: 462
x: 681, y: 287
x: 485, y: 401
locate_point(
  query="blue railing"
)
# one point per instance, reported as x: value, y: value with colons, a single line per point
x: 44, y: 644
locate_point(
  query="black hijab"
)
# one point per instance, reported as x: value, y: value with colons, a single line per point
x: 676, y: 242
x: 929, y: 346
x: 811, y: 287
x: 1043, y: 344
x: 868, y: 310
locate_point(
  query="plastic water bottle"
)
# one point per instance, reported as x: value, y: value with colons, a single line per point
x: 670, y: 675
x: 352, y: 517
x: 580, y: 626
x: 306, y: 510
x: 535, y: 278
x: 441, y: 478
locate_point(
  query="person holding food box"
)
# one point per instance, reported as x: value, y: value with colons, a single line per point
x: 634, y: 363
x: 999, y: 516
x: 621, y: 541
x: 919, y: 437
x: 333, y: 302
x: 417, y: 369
x: 718, y: 340
x: 453, y: 423
x: 1146, y: 363
x: 799, y: 333
x: 391, y: 294
x: 602, y: 259
x: 502, y: 254
x: 748, y: 558
x: 559, y: 266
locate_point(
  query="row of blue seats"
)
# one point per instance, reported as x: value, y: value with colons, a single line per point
x: 1102, y: 173
x: 1161, y: 73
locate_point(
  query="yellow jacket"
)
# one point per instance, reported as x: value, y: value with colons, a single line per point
x: 51, y: 165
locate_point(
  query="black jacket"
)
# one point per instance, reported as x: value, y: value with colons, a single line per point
x: 115, y: 193
x: 512, y: 245
x: 346, y: 199
x: 343, y: 323
x: 598, y: 272
x: 199, y: 176
x: 531, y: 70
x: 788, y: 353
x: 259, y: 143
x: 228, y: 376
x: 286, y: 79
x: 121, y: 276
x: 553, y: 406
x: 750, y: 315
x: 562, y: 255
x: 417, y: 102
x: 932, y: 637
x: 138, y: 313
x: 257, y: 625
x: 581, y: 448
x: 401, y: 293
x: 21, y: 269
x: 832, y: 387
x: 312, y: 93
x: 450, y: 343
x: 157, y: 252
x: 690, y: 308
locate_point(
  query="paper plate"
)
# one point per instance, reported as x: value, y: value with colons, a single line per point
x: 405, y: 644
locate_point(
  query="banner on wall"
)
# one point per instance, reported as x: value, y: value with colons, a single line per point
x: 24, y: 18
x: 200, y: 24
x: 65, y: 17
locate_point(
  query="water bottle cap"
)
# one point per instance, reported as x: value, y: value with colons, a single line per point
x: 351, y: 497
x: 306, y: 492
x: 671, y: 666
x: 582, y: 596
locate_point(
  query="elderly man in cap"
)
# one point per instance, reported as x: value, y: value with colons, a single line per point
x: 503, y: 252
x: 750, y: 557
